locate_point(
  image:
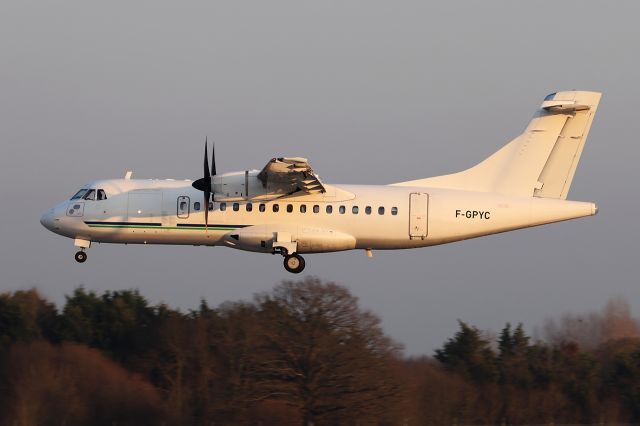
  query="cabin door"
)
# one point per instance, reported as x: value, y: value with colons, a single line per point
x: 184, y: 205
x: 418, y: 209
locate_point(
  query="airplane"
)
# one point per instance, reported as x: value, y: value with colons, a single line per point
x: 285, y: 208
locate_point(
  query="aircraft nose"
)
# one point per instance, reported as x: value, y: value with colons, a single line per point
x: 47, y: 219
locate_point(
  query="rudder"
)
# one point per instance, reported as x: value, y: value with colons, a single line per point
x: 558, y: 172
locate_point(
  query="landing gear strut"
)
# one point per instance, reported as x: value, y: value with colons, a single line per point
x: 81, y: 256
x: 294, y: 263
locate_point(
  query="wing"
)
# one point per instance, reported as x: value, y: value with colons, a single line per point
x: 290, y: 174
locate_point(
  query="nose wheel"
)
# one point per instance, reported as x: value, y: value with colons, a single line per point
x: 82, y: 244
x: 81, y: 256
x: 294, y: 263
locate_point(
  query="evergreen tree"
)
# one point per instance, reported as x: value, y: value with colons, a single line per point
x: 468, y: 354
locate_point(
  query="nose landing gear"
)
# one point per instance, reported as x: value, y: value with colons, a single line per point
x: 294, y: 263
x: 81, y: 256
x: 83, y: 244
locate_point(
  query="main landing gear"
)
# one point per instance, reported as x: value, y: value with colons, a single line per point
x: 81, y: 256
x: 283, y: 245
x: 294, y: 263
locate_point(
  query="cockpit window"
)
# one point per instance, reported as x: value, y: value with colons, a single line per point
x: 79, y: 194
x: 90, y: 195
x: 101, y: 195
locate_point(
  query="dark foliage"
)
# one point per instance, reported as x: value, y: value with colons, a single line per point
x: 304, y: 353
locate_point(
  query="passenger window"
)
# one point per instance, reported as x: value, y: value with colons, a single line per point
x: 367, y: 210
x: 342, y: 209
x: 262, y: 207
x: 276, y: 208
x: 210, y: 206
x: 91, y: 195
x: 316, y: 208
x: 329, y: 209
x: 101, y: 195
x: 249, y: 207
x: 196, y: 206
x: 289, y: 208
x: 303, y: 208
x: 394, y: 211
x: 354, y: 209
x: 381, y: 210
x: 223, y: 206
x: 236, y: 207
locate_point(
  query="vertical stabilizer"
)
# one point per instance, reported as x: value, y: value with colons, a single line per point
x: 541, y: 161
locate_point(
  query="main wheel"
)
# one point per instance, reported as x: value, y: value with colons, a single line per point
x: 294, y: 263
x: 81, y: 257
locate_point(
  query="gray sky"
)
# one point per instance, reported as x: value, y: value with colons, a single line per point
x: 369, y: 91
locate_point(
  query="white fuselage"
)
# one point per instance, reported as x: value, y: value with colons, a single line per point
x: 344, y: 217
x: 285, y: 208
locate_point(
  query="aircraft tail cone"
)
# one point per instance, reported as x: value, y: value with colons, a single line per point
x: 546, y: 210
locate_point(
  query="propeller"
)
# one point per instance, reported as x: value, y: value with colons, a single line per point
x: 204, y: 183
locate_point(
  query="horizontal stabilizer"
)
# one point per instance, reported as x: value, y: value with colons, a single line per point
x: 563, y: 106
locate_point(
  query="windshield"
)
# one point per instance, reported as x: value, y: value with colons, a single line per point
x: 79, y: 194
x: 91, y: 195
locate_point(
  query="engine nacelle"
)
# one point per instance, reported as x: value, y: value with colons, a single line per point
x: 293, y: 238
x: 237, y: 186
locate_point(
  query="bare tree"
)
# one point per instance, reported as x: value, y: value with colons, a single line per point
x: 323, y: 354
x: 75, y: 385
x: 618, y: 322
x: 592, y: 329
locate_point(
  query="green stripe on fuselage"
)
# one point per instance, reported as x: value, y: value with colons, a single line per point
x: 181, y: 228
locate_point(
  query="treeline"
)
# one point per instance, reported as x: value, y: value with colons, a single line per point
x: 303, y: 354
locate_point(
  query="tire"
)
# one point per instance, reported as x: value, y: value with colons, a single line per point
x: 294, y: 263
x: 81, y: 257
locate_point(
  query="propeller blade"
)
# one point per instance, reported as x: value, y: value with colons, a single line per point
x: 206, y: 161
x: 207, y: 192
x: 206, y: 211
x: 204, y: 183
x: 213, y: 160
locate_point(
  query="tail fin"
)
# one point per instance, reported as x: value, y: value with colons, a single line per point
x: 541, y: 161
